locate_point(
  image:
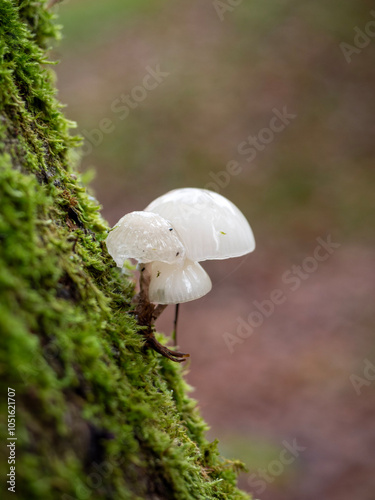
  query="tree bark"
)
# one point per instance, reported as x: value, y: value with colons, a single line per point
x: 96, y: 414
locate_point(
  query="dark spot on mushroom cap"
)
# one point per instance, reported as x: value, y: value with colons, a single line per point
x: 171, y: 228
x: 178, y: 253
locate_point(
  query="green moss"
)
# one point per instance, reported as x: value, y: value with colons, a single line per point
x: 97, y: 415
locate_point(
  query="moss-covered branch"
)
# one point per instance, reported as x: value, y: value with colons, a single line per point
x: 97, y: 415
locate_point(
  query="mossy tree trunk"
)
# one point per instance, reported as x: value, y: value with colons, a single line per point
x: 97, y: 415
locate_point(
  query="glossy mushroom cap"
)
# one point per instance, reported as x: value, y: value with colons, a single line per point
x: 174, y: 284
x: 209, y: 225
x: 146, y: 237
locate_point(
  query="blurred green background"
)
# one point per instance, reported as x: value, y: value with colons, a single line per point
x: 224, y: 71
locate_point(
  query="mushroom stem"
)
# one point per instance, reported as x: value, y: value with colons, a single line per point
x: 144, y: 280
x: 144, y: 309
x: 158, y: 310
x: 174, y: 332
x: 147, y: 313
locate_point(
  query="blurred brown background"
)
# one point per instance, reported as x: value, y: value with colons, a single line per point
x: 219, y: 73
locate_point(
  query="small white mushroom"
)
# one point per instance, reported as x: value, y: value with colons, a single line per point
x: 175, y: 284
x: 146, y: 237
x: 168, y: 239
x: 209, y: 225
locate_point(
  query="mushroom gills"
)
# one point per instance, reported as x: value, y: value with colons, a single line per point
x: 176, y: 283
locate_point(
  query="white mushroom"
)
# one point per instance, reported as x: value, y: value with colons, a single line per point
x: 146, y: 237
x: 175, y: 284
x: 168, y: 239
x: 209, y: 225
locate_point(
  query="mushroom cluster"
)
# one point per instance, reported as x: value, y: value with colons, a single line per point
x: 168, y: 240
